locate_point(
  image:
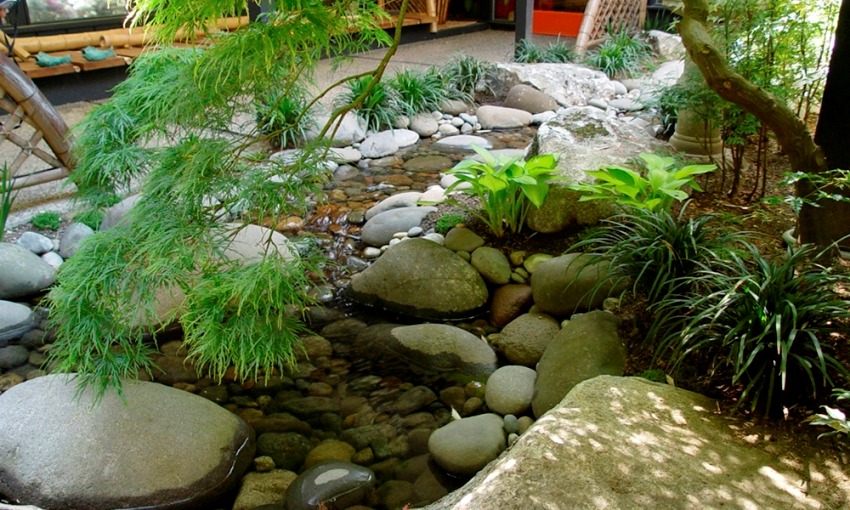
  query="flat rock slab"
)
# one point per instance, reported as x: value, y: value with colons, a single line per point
x: 621, y: 443
x: 161, y: 449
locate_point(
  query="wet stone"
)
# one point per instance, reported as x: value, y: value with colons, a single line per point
x: 336, y: 485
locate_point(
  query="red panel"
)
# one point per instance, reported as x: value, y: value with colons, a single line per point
x: 566, y: 24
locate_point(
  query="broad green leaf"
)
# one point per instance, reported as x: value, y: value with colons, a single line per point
x: 694, y: 170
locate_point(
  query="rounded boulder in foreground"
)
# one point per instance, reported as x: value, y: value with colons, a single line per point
x: 161, y: 449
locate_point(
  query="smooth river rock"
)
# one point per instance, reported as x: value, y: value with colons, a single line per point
x: 161, y: 449
x: 332, y: 485
x: 421, y: 278
x: 23, y: 273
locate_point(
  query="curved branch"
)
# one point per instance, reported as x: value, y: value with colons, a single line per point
x: 791, y: 132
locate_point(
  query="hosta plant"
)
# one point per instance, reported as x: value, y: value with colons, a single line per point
x: 507, y: 187
x: 657, y: 190
x: 768, y: 321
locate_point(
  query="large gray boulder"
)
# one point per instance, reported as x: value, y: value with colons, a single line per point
x: 586, y: 138
x: 162, y: 448
x: 430, y: 348
x: 586, y: 347
x: 379, y: 145
x: 71, y: 239
x: 622, y: 443
x: 421, y: 278
x: 23, y: 272
x: 571, y: 283
x: 568, y: 84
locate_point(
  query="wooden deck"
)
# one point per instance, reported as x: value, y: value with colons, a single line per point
x: 129, y: 45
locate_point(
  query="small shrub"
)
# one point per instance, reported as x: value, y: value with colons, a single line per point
x: 621, y: 53
x: 91, y: 218
x: 283, y: 115
x: 466, y: 74
x: 419, y: 91
x: 556, y: 52
x: 765, y: 320
x: 662, y: 185
x: 656, y: 251
x: 447, y: 222
x: 47, y: 220
x: 507, y: 187
x: 6, y: 198
x: 379, y: 106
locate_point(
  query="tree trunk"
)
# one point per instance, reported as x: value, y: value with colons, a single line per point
x: 792, y: 134
x: 831, y: 221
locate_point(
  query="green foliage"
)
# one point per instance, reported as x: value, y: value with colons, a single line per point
x: 46, y: 220
x: 420, y: 91
x: 833, y: 418
x: 284, y: 116
x: 447, y: 222
x: 654, y: 375
x: 92, y: 218
x: 507, y: 187
x: 467, y: 74
x: 769, y: 321
x: 656, y: 251
x: 556, y: 52
x: 622, y: 53
x: 657, y: 191
x: 168, y: 127
x: 828, y: 185
x: 6, y: 198
x: 377, y: 103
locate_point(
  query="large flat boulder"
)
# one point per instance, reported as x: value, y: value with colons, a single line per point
x: 430, y: 349
x: 160, y: 449
x: 620, y: 443
x: 423, y: 279
x: 568, y: 84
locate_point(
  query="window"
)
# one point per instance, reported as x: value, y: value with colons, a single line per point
x: 27, y: 12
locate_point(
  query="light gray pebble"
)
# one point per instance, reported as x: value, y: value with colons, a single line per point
x: 457, y: 122
x: 598, y: 103
x: 399, y: 235
x: 512, y: 438
x: 435, y: 237
x: 466, y: 129
x: 471, y: 119
x: 35, y: 242
x: 437, y: 115
x: 511, y: 424
x: 53, y: 259
x: 370, y: 252
x: 414, y: 232
x: 356, y: 263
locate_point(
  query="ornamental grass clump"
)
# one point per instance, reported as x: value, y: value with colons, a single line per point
x: 507, y: 187
x: 284, y: 116
x: 768, y: 322
x: 467, y: 74
x: 622, y: 53
x: 421, y: 91
x: 375, y: 102
x: 655, y: 251
x: 6, y: 198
